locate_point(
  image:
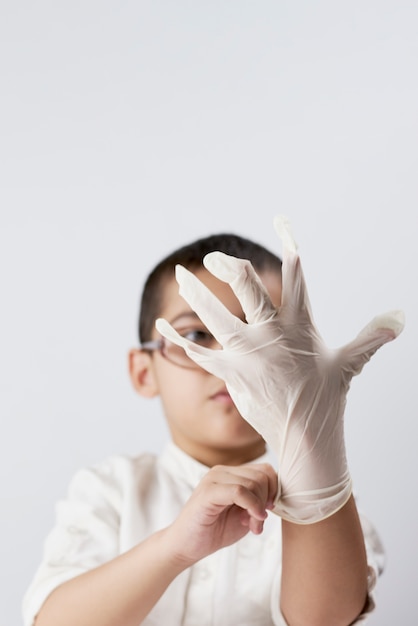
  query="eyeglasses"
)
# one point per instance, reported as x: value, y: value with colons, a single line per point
x: 176, y: 354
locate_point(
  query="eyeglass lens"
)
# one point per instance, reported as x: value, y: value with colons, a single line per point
x: 176, y: 354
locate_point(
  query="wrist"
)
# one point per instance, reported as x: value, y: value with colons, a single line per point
x: 174, y: 551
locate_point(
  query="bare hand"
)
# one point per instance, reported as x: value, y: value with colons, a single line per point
x: 227, y: 504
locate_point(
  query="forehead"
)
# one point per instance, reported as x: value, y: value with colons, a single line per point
x: 173, y: 305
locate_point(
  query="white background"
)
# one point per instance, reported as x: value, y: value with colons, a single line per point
x: 128, y: 128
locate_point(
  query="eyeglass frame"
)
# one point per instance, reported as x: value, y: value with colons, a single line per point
x: 160, y: 344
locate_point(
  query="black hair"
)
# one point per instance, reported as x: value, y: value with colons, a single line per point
x: 191, y: 257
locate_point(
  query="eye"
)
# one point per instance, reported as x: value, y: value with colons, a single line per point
x: 199, y: 336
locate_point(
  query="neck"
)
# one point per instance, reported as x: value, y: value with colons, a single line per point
x: 224, y: 456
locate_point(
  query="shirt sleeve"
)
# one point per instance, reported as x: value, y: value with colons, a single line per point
x: 85, y: 535
x: 375, y: 560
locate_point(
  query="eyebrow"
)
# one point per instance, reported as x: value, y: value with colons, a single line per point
x: 187, y: 314
x: 191, y: 315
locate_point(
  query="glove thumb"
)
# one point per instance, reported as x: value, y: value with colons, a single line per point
x: 382, y: 329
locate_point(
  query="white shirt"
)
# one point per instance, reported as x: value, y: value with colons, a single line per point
x: 113, y: 506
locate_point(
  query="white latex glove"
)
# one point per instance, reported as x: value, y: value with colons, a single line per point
x: 282, y: 377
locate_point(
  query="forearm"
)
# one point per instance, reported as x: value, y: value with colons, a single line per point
x: 122, y: 591
x: 324, y: 573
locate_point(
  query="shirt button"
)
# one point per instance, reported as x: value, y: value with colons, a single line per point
x: 73, y: 530
x: 203, y: 574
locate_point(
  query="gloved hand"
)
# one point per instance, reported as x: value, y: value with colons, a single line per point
x: 282, y: 377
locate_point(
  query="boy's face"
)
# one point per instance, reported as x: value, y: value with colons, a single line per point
x: 201, y: 416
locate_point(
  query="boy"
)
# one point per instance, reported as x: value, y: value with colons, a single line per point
x: 186, y: 538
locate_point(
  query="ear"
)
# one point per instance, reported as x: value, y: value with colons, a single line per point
x: 141, y: 373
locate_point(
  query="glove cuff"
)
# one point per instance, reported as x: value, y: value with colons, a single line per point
x: 310, y: 507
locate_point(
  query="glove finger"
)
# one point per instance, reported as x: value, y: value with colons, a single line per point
x: 244, y: 282
x: 210, y: 360
x: 216, y: 317
x: 283, y: 229
x: 294, y: 290
x: 382, y: 329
